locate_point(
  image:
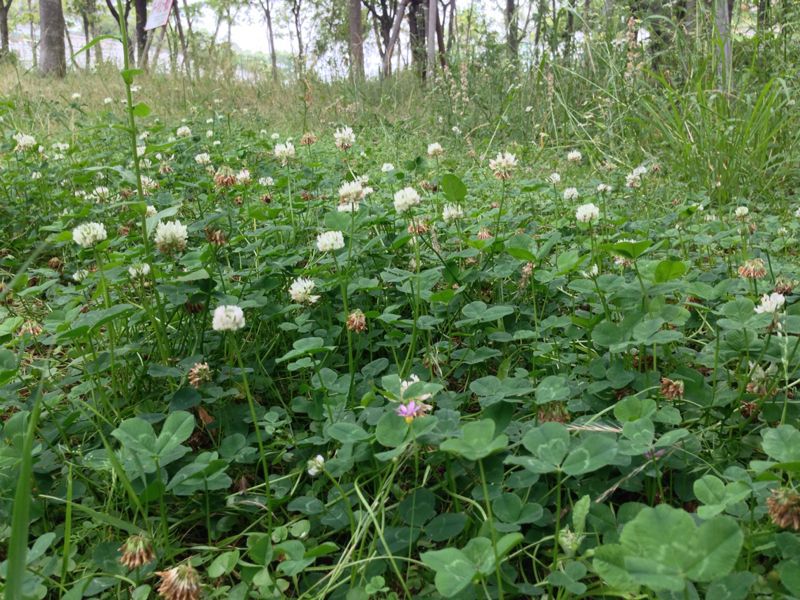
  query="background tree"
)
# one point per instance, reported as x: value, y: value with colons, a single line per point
x: 51, y: 33
x: 5, y: 47
x: 356, y: 41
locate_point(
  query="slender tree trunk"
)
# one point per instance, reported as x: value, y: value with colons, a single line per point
x: 722, y: 21
x: 192, y: 41
x: 451, y: 27
x: 512, y: 26
x: 398, y: 21
x: 86, y: 35
x: 141, y: 34
x: 32, y: 30
x: 440, y: 41
x: 273, y: 57
x: 433, y: 5
x: 5, y: 46
x: 355, y: 27
x: 159, y: 45
x: 71, y: 48
x: 416, y: 36
x: 182, y: 38
x: 298, y: 30
x: 51, y: 33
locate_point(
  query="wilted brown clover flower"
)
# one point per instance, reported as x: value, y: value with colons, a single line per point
x: 136, y: 551
x: 484, y: 234
x: 199, y: 374
x: 783, y: 507
x: 357, y: 321
x: 671, y: 389
x: 216, y: 237
x: 308, y: 139
x: 179, y: 583
x: 224, y: 177
x: 785, y: 286
x: 753, y: 269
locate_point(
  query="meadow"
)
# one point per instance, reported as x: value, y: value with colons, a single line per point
x: 505, y: 339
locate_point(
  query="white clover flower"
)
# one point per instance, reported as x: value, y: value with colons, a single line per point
x: 797, y: 213
x: 275, y: 136
x: 771, y: 303
x: 571, y: 193
x: 351, y: 193
x: 203, y: 158
x: 528, y: 109
x: 315, y: 465
x: 456, y: 130
x: 300, y: 291
x: 80, y: 275
x: 171, y: 237
x: 389, y: 167
x: 89, y: 234
x: 710, y: 218
x: 36, y: 175
x: 216, y: 143
x: 586, y: 213
x: 24, y: 142
x: 574, y: 156
x: 639, y: 171
x: 100, y: 193
x: 266, y: 181
x: 344, y: 138
x: 554, y: 178
x: 405, y: 199
x: 741, y: 212
x: 139, y: 271
x: 435, y: 149
x: 452, y: 212
x: 604, y: 188
x: 150, y: 211
x: 148, y: 184
x: 632, y: 181
x: 210, y: 121
x: 329, y: 241
x: 209, y: 133
x: 593, y: 272
x: 108, y: 100
x: 503, y: 165
x: 140, y: 150
x: 136, y: 88
x: 76, y: 96
x: 243, y: 177
x: 283, y: 152
x: 61, y: 146
x: 183, y: 131
x: 227, y: 318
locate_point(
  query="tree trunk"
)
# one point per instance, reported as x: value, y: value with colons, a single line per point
x: 722, y: 22
x: 5, y: 47
x: 86, y: 35
x: 182, y: 38
x: 141, y: 34
x: 433, y: 5
x: 296, y: 8
x: 273, y: 57
x: 416, y: 36
x: 355, y: 27
x: 191, y: 36
x: 398, y: 21
x: 51, y: 33
x: 440, y: 41
x: 512, y: 35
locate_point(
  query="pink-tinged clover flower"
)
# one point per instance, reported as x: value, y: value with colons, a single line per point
x: 412, y: 409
